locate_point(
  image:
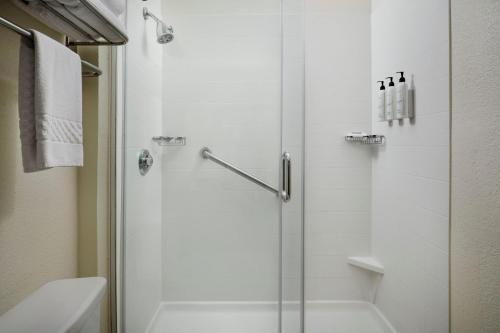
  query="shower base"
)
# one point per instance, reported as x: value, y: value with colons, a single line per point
x: 250, y: 317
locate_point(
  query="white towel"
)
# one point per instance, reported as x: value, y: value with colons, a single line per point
x: 50, y: 104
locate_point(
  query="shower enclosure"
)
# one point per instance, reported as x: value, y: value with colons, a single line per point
x: 245, y: 206
x: 213, y: 222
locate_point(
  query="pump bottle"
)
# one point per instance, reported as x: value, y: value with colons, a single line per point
x: 381, y: 102
x: 401, y: 98
x: 389, y: 100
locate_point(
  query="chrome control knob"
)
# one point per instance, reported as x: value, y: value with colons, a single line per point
x: 145, y: 161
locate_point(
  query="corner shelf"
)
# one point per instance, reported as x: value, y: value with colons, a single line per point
x: 367, y: 263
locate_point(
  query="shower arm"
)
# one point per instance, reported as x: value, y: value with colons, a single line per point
x: 146, y: 13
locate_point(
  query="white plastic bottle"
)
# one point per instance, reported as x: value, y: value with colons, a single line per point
x: 410, y: 101
x: 401, y: 98
x: 381, y: 102
x: 389, y: 100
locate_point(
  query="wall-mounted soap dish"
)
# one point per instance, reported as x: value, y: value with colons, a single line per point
x: 366, y: 139
x: 170, y: 140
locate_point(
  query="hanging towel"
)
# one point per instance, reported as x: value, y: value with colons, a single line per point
x: 50, y: 104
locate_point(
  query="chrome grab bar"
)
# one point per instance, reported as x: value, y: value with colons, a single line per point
x: 286, y: 173
x: 207, y: 154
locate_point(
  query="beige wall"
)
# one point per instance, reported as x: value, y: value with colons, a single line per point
x: 93, y: 178
x: 53, y: 224
x: 87, y: 204
x: 475, y: 189
x: 38, y: 212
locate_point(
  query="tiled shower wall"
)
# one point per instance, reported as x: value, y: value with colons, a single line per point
x: 221, y: 89
x: 338, y: 175
x: 221, y: 75
x: 410, y: 193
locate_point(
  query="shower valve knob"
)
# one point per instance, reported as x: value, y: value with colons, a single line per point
x: 145, y: 161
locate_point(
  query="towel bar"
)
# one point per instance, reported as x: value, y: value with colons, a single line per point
x: 91, y: 71
x: 79, y: 32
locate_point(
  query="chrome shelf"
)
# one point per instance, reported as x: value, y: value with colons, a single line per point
x: 170, y: 140
x: 365, y: 139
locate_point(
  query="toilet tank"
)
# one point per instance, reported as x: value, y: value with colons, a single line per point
x: 71, y: 305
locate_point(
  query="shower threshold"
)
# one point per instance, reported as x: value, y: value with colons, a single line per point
x: 261, y: 317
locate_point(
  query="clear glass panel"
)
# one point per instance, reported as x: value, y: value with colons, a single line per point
x: 203, y: 246
x: 376, y: 208
x: 293, y: 142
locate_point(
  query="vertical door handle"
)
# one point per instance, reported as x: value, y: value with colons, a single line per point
x: 286, y: 173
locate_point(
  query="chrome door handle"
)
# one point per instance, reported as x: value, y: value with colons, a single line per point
x: 286, y: 174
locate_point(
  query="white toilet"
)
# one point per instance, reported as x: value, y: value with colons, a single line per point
x: 61, y: 306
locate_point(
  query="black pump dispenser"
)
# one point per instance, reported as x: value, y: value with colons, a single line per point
x: 382, y: 87
x: 391, y: 83
x: 402, y: 78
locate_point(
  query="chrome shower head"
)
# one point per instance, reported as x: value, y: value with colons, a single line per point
x: 164, y: 33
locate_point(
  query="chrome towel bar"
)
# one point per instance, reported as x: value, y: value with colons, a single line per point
x: 90, y: 71
x: 82, y: 21
x: 207, y: 154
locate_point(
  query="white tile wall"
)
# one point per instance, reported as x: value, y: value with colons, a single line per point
x: 142, y: 227
x: 338, y: 175
x: 221, y: 89
x: 410, y: 176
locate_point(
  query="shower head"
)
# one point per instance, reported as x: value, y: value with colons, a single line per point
x: 164, y: 33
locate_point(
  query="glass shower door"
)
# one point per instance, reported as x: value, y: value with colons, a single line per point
x: 221, y: 89
x: 203, y: 232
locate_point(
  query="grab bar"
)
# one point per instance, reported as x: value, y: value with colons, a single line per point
x: 207, y: 154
